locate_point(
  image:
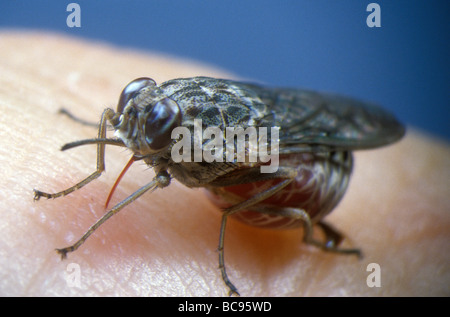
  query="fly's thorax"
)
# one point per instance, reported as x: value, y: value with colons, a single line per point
x: 217, y: 102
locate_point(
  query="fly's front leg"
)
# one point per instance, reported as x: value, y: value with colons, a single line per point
x: 79, y: 120
x: 108, y: 114
x: 160, y: 181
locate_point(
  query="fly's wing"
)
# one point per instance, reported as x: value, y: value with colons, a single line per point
x: 312, y: 121
x: 308, y: 121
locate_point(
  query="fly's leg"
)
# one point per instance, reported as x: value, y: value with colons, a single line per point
x: 289, y: 174
x: 233, y: 289
x: 332, y: 240
x: 108, y: 114
x: 74, y: 118
x: 160, y: 181
x: 332, y: 236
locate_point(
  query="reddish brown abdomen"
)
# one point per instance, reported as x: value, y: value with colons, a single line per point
x: 319, y: 186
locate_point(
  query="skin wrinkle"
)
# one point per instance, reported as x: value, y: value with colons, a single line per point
x: 160, y: 231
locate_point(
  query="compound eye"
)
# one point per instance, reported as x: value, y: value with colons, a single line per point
x: 163, y: 118
x: 132, y: 89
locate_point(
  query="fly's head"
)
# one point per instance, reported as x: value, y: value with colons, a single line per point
x: 145, y: 118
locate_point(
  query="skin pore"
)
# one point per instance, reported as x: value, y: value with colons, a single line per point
x: 165, y: 243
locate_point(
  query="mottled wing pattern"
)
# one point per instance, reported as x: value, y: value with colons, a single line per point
x: 327, y: 120
x: 308, y: 120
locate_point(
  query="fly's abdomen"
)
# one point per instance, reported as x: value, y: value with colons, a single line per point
x: 320, y: 184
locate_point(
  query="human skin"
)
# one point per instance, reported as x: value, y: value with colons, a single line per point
x: 165, y: 243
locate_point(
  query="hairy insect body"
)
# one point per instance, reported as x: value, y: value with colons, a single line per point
x: 320, y: 184
x: 317, y: 133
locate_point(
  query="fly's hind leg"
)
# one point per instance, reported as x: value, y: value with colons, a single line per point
x: 107, y: 115
x: 332, y: 240
x: 332, y: 236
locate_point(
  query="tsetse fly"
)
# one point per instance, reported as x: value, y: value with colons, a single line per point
x: 315, y: 135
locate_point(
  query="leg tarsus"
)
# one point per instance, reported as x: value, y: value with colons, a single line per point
x: 38, y: 194
x: 63, y: 252
x: 332, y: 240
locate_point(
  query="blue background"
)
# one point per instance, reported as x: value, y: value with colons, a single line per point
x: 318, y: 44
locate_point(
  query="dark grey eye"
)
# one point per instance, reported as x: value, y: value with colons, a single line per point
x: 163, y: 118
x: 132, y: 89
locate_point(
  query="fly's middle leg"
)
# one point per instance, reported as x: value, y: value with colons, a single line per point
x: 289, y: 175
